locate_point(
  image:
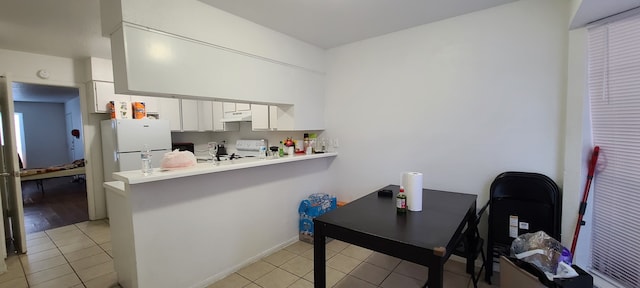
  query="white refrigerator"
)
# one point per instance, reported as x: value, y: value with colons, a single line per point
x: 123, y: 140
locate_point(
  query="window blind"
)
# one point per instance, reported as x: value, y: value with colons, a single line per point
x: 614, y: 94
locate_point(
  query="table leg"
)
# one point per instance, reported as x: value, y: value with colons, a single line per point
x: 471, y: 239
x: 435, y: 277
x: 319, y: 266
x: 40, y: 186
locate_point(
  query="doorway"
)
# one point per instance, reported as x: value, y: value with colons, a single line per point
x: 51, y: 123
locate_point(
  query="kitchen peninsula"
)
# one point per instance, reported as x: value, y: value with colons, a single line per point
x: 190, y: 227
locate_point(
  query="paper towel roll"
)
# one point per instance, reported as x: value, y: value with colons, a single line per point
x: 412, y: 183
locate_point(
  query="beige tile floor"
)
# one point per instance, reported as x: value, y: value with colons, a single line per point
x: 348, y: 266
x: 80, y: 255
x: 76, y: 255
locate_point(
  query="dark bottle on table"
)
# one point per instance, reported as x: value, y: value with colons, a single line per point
x: 401, y: 201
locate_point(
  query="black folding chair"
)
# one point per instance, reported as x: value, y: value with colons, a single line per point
x: 466, y: 248
x: 521, y: 202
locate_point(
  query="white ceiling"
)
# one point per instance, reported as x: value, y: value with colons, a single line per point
x: 71, y: 28
x: 331, y: 23
x: 593, y: 10
x: 65, y: 28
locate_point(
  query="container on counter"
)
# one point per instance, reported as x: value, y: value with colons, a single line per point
x: 262, y: 149
x: 139, y: 110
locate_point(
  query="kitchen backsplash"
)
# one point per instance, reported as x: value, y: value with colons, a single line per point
x: 201, y: 139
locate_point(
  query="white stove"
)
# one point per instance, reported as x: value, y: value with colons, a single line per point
x: 249, y: 148
x: 244, y: 149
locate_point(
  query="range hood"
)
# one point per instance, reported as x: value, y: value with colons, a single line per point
x: 239, y: 116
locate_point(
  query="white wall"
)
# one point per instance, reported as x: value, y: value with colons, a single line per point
x: 460, y: 100
x: 44, y: 133
x: 24, y: 66
x: 579, y: 146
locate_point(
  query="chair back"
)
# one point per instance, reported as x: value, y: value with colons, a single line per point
x: 521, y: 202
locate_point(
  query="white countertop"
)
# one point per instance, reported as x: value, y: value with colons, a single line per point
x: 136, y: 176
x: 116, y: 186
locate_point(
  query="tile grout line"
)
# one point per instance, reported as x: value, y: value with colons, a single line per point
x: 65, y: 257
x: 385, y: 278
x: 57, y: 248
x: 94, y: 241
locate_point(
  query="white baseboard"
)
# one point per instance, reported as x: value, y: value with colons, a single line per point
x: 245, y: 263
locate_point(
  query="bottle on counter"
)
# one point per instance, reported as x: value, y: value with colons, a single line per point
x: 262, y: 150
x: 313, y: 141
x: 305, y: 142
x: 401, y: 201
x: 281, y: 150
x: 145, y: 155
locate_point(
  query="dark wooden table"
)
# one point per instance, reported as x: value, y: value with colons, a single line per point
x: 426, y: 237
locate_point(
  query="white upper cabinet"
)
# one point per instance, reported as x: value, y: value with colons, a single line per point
x: 101, y: 88
x: 189, y: 112
x: 98, y: 69
x: 228, y: 107
x: 169, y: 109
x: 199, y: 70
x: 101, y: 93
x: 197, y: 115
x: 243, y: 107
x: 273, y: 117
x: 235, y: 107
x: 218, y: 114
x: 205, y: 115
x: 259, y: 117
x: 264, y: 117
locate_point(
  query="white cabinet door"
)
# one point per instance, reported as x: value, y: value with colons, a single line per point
x: 205, y: 115
x: 243, y: 107
x: 103, y: 93
x: 273, y: 117
x: 264, y: 117
x: 151, y: 104
x: 169, y: 109
x: 218, y: 113
x: 229, y: 107
x: 259, y: 117
x: 98, y: 69
x: 233, y: 107
x: 189, y: 112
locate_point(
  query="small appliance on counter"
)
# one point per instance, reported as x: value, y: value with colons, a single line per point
x: 183, y: 146
x: 221, y: 150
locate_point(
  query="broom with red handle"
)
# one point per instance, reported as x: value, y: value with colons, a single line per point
x: 583, y: 204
